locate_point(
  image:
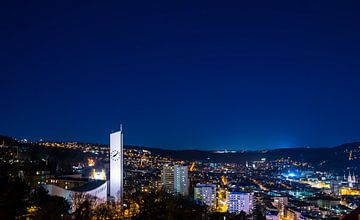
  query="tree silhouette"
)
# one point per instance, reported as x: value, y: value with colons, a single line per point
x: 49, y: 207
x: 105, y: 211
x: 13, y: 198
x: 161, y: 205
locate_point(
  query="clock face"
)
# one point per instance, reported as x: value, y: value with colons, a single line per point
x: 115, y: 155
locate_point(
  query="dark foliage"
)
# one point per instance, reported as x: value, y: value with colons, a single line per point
x: 50, y: 207
x: 160, y: 205
x: 14, y: 198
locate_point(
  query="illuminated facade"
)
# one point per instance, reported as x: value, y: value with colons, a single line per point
x: 167, y: 178
x: 116, y: 165
x: 347, y: 191
x: 181, y: 180
x: 240, y: 201
x: 205, y: 194
x: 175, y: 179
x: 98, y: 175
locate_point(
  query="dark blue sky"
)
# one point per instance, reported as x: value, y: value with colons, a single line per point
x: 205, y: 75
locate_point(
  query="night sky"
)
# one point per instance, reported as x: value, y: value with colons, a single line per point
x: 182, y: 74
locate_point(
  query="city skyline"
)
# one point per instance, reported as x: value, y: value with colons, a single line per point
x: 182, y: 75
x: 178, y: 110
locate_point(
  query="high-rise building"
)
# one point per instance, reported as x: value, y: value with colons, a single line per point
x: 175, y: 179
x: 205, y: 194
x: 240, y: 201
x: 167, y: 178
x: 116, y: 165
x: 181, y: 180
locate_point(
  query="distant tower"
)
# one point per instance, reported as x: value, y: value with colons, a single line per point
x: 351, y: 180
x: 116, y: 165
x: 354, y: 178
x: 247, y: 164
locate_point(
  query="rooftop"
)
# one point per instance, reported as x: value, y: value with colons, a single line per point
x: 89, y: 186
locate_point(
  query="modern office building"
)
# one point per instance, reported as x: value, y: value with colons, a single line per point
x: 240, y: 201
x: 175, y: 179
x: 116, y: 165
x: 205, y: 194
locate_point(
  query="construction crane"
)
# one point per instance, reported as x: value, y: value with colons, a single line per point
x: 224, y: 180
x: 192, y: 167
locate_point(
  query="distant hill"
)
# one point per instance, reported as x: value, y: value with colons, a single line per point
x: 7, y: 140
x: 333, y: 158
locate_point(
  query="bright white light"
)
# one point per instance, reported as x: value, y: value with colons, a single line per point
x: 291, y: 174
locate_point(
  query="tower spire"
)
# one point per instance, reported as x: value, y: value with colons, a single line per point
x: 354, y: 178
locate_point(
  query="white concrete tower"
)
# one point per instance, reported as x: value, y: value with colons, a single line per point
x: 116, y: 165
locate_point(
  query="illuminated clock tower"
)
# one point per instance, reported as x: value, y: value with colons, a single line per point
x: 116, y: 165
